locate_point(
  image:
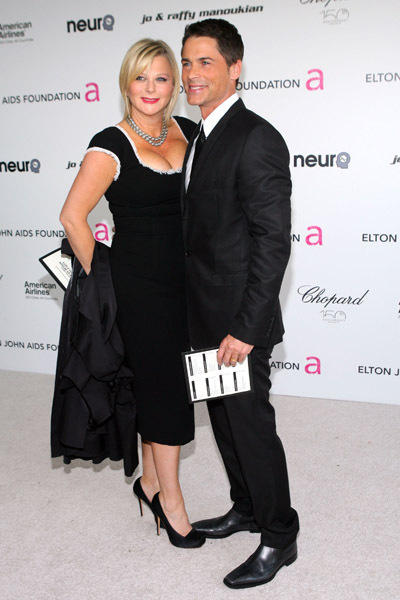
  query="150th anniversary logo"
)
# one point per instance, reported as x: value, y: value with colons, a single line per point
x: 331, y: 305
x: 332, y: 13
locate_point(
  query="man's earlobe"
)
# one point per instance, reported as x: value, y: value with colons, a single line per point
x: 235, y: 69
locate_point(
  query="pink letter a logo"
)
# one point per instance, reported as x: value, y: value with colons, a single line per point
x: 101, y: 234
x: 319, y: 85
x: 313, y: 368
x: 317, y: 235
x: 92, y: 95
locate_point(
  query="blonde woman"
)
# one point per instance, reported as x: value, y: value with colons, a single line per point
x: 137, y: 165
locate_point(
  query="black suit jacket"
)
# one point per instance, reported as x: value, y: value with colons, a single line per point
x: 94, y: 411
x: 236, y: 225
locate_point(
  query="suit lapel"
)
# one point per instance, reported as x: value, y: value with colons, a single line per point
x: 212, y: 139
x: 187, y: 154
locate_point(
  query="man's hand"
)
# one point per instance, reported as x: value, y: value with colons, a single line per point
x: 232, y: 351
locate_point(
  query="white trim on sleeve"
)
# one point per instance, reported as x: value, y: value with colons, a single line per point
x: 114, y: 156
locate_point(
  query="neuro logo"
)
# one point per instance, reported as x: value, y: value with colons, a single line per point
x: 322, y: 160
x: 108, y: 22
x: 342, y: 160
x: 35, y: 165
x: 20, y: 166
x: 95, y: 24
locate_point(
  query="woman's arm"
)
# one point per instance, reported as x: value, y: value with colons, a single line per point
x: 94, y: 177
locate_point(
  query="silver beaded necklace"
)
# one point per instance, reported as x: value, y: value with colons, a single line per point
x: 154, y: 141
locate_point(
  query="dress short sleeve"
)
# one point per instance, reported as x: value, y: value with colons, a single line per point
x: 109, y: 142
x: 187, y: 126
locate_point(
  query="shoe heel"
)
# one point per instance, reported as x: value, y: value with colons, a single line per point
x: 140, y: 507
x: 291, y: 560
x: 158, y: 524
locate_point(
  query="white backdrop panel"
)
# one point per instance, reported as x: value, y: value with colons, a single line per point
x: 324, y: 72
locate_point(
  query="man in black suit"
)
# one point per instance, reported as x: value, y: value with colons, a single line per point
x: 236, y: 223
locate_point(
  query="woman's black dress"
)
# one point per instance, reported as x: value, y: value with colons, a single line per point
x: 148, y: 276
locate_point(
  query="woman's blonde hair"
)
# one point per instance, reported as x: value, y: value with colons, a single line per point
x: 139, y: 58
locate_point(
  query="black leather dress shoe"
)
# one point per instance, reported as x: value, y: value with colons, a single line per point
x: 221, y: 527
x: 261, y: 567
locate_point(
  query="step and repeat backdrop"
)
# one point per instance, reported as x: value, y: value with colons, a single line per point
x: 326, y: 73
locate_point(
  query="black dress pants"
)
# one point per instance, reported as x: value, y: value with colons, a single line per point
x: 253, y: 455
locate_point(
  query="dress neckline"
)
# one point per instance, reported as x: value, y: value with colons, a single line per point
x: 170, y: 171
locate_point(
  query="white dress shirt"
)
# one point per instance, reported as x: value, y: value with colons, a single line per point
x: 208, y: 125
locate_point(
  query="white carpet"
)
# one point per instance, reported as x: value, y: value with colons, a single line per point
x: 75, y: 533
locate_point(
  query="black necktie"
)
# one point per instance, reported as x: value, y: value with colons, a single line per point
x: 199, y: 145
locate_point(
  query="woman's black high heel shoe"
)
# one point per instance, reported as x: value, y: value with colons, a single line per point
x: 194, y: 539
x: 141, y: 496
